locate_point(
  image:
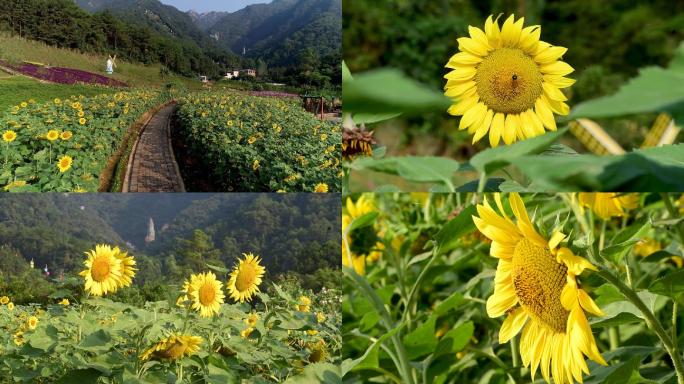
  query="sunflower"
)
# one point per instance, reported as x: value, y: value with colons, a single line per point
x: 320, y: 317
x: 66, y: 135
x: 608, y: 204
x: 32, y: 322
x: 173, y: 347
x: 52, y: 135
x: 363, y: 242
x: 19, y: 338
x: 245, y: 278
x: 10, y: 306
x: 64, y: 163
x: 127, y: 267
x: 357, y: 142
x: 64, y: 302
x: 9, y: 136
x: 206, y: 294
x: 319, y: 351
x: 82, y: 121
x: 536, y: 287
x: 507, y: 82
x: 4, y: 300
x: 252, y: 319
x: 103, y: 272
x: 648, y: 246
x: 321, y: 188
x: 255, y: 165
x: 247, y: 332
x: 304, y: 304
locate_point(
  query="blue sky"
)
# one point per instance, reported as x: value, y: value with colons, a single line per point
x: 212, y: 5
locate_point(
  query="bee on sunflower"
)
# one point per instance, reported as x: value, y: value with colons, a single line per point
x: 506, y: 82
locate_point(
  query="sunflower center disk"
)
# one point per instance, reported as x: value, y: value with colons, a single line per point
x: 100, y: 269
x: 245, y: 278
x: 539, y: 281
x: 508, y: 81
x: 207, y: 294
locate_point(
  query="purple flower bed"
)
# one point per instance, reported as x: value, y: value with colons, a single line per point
x: 273, y: 94
x: 62, y: 75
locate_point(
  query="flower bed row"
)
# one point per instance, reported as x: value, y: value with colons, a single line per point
x: 62, y: 75
x: 261, y: 144
x: 64, y: 145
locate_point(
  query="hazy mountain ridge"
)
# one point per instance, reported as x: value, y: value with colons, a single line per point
x: 206, y: 20
x: 296, y: 231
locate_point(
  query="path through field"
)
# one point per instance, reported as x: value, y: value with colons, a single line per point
x: 152, y: 166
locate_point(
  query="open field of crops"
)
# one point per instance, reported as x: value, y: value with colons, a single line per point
x: 213, y: 329
x: 64, y: 145
x: 260, y: 143
x: 489, y: 288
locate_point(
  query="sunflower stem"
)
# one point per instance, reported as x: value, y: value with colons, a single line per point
x: 673, y: 212
x: 481, y: 184
x: 614, y: 338
x: 515, y: 353
x: 651, y: 321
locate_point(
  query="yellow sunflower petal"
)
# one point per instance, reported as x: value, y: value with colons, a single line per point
x: 483, y: 128
x: 559, y: 81
x: 512, y: 325
x: 472, y: 46
x: 461, y: 74
x: 588, y: 303
x: 550, y: 54
x: 463, y: 59
x: 552, y: 92
x: 511, y: 125
x: 500, y: 302
x: 543, y: 111
x: 496, y: 129
x: 558, y: 68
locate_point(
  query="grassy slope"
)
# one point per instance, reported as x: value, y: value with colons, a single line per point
x: 15, y: 89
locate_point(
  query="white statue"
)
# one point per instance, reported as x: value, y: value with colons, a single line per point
x: 111, y: 64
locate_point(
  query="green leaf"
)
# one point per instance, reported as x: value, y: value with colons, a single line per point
x: 413, y: 168
x: 323, y: 373
x: 370, y: 358
x: 653, y: 169
x: 450, y: 303
x: 97, y: 341
x: 620, y: 373
x: 652, y: 90
x: 346, y: 73
x: 422, y: 340
x: 370, y: 118
x: 362, y: 221
x: 492, y: 159
x: 460, y: 225
x: 387, y: 91
x: 624, y: 241
x: 671, y: 285
x: 89, y: 375
x: 456, y: 339
x: 491, y: 185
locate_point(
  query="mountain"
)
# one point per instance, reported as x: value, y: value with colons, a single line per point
x: 278, y: 32
x: 151, y: 13
x: 292, y: 232
x: 206, y: 20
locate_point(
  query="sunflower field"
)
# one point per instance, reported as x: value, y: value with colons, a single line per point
x: 64, y: 145
x: 262, y: 144
x: 216, y: 328
x: 510, y: 288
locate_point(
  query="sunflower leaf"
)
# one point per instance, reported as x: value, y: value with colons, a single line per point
x: 492, y: 159
x: 671, y: 285
x: 388, y: 91
x: 452, y: 232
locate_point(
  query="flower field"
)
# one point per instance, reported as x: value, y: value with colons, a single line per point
x: 64, y: 145
x: 261, y: 143
x: 509, y: 288
x: 61, y: 75
x: 213, y: 329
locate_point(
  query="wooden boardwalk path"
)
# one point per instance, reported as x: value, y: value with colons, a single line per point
x: 152, y: 166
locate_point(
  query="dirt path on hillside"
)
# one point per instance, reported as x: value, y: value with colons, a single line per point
x: 152, y: 165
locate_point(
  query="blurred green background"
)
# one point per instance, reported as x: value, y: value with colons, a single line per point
x: 607, y: 41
